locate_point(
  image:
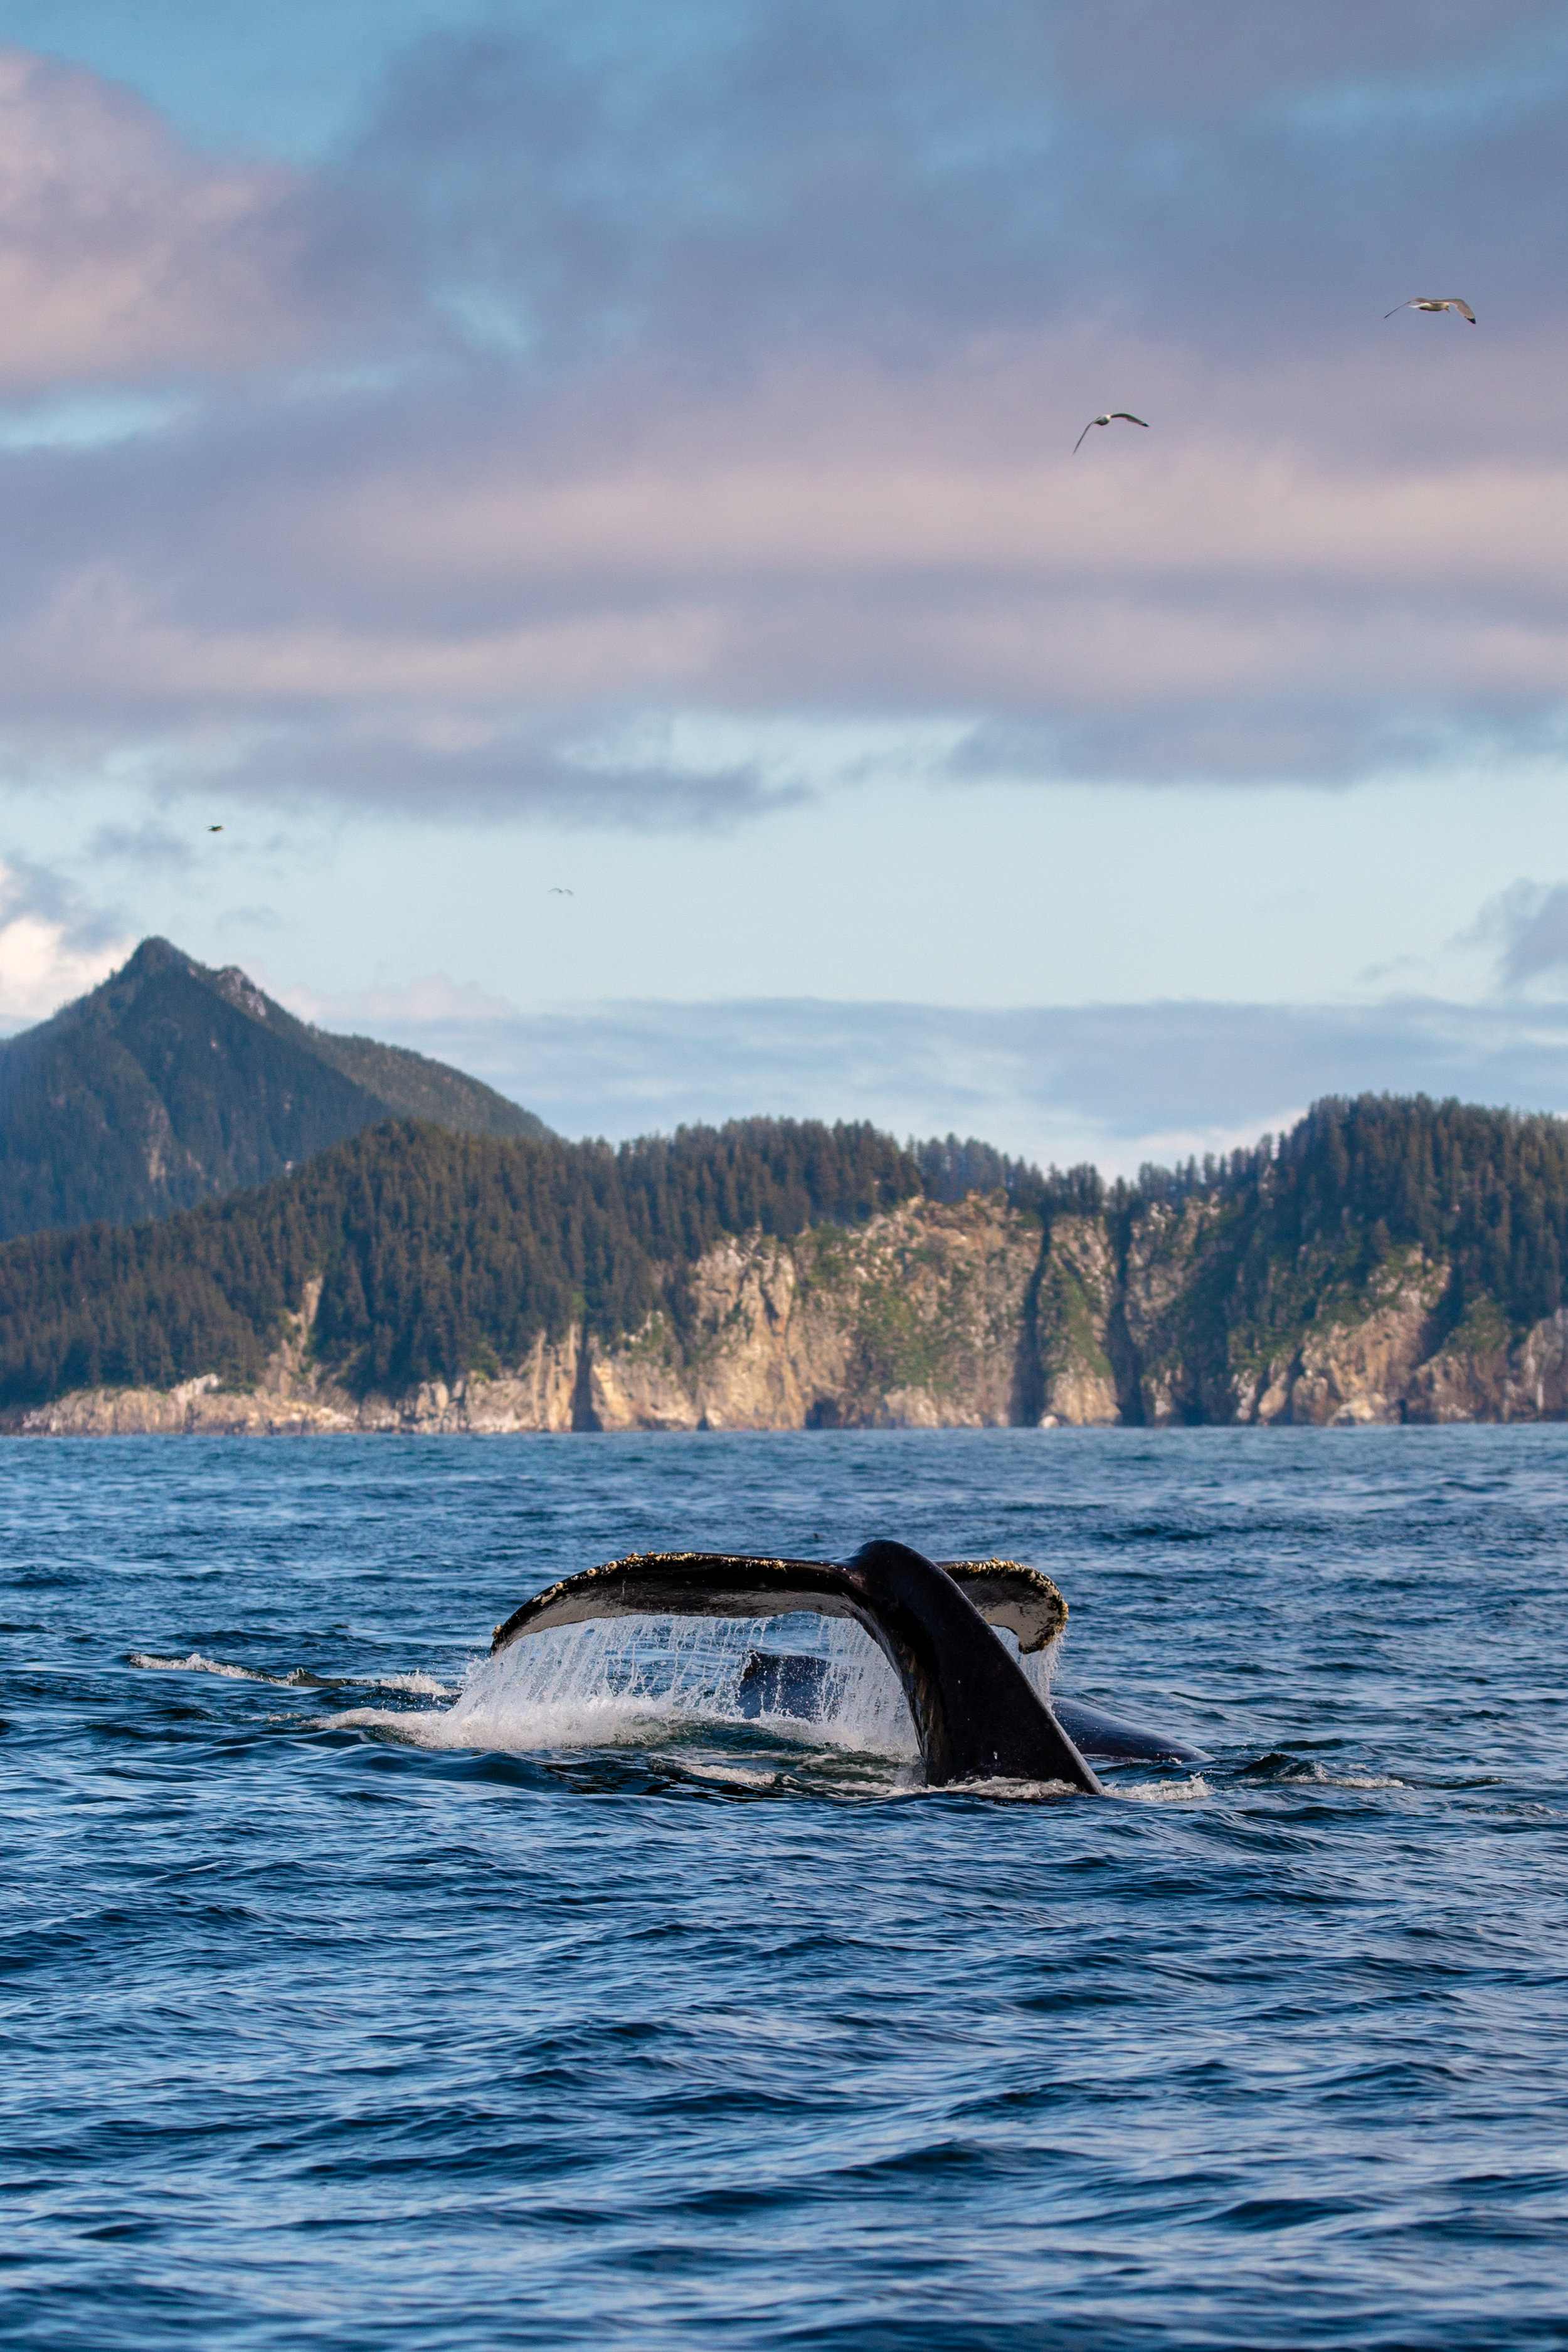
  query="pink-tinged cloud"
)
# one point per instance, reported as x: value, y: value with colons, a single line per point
x: 743, y: 375
x: 126, y: 257
x: 374, y: 592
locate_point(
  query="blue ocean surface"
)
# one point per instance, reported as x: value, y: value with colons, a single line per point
x: 361, y: 1991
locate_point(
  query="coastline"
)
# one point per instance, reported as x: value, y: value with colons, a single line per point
x: 927, y: 1317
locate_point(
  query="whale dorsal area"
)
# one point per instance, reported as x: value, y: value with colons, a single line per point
x: 793, y: 1684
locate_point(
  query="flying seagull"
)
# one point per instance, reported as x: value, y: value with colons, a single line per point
x: 1110, y: 418
x: 555, y: 891
x: 1434, y: 302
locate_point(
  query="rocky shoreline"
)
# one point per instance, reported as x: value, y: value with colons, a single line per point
x: 927, y: 1317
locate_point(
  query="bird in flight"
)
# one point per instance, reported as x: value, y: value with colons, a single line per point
x: 557, y: 891
x: 214, y: 828
x: 1434, y: 302
x: 1109, y: 418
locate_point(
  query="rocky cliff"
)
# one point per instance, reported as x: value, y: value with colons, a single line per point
x: 917, y: 1319
x: 932, y: 1316
x: 1135, y: 1334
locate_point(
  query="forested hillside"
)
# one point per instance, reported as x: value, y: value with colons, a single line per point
x: 1484, y: 1192
x: 441, y: 1253
x: 171, y: 1084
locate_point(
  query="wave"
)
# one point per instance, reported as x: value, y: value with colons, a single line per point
x: 420, y: 1684
x: 197, y: 1665
x: 644, y: 1681
x: 1296, y: 1772
x: 999, y: 1791
x: 1189, y: 1791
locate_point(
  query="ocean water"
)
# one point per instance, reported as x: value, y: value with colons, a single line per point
x: 359, y: 1992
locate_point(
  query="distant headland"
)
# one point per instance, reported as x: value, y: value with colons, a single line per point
x: 463, y: 1269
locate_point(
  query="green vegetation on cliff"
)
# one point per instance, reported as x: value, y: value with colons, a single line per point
x: 1355, y: 1184
x: 1485, y: 1189
x: 439, y: 1253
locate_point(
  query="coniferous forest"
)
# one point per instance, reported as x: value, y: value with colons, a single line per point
x: 441, y: 1252
x: 438, y: 1251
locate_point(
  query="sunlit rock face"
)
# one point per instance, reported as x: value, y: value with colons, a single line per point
x: 914, y: 1320
x: 935, y: 1316
x: 917, y: 1319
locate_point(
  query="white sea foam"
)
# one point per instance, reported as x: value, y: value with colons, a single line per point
x: 1316, y: 1776
x: 998, y: 1788
x: 296, y: 1678
x: 729, y: 1776
x: 197, y: 1665
x: 420, y: 1727
x: 1190, y: 1791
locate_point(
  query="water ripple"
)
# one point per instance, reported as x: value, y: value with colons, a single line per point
x: 361, y: 1991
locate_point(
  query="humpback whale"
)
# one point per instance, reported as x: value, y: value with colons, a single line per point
x: 976, y: 1714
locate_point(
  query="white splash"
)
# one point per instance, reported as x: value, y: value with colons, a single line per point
x: 630, y: 1681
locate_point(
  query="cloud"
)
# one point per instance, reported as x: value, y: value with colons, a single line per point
x: 792, y: 171
x: 633, y: 365
x: 1118, y: 1084
x: 124, y: 256
x: 444, y: 762
x: 151, y: 846
x: 413, y: 1004
x: 1526, y: 926
x: 247, y: 920
x: 52, y: 949
x: 411, y: 602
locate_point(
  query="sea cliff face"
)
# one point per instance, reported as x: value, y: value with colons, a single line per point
x: 933, y: 1316
x: 917, y: 1319
x: 1137, y: 1337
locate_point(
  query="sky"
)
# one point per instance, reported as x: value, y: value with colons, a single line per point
x: 585, y: 498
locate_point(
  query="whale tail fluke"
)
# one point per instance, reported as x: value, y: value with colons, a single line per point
x: 706, y: 1584
x: 1008, y: 1593
x: 975, y: 1712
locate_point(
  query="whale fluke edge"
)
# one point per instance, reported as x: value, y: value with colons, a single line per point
x: 976, y: 1714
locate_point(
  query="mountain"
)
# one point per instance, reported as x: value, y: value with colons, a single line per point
x: 1386, y: 1260
x: 171, y: 1083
